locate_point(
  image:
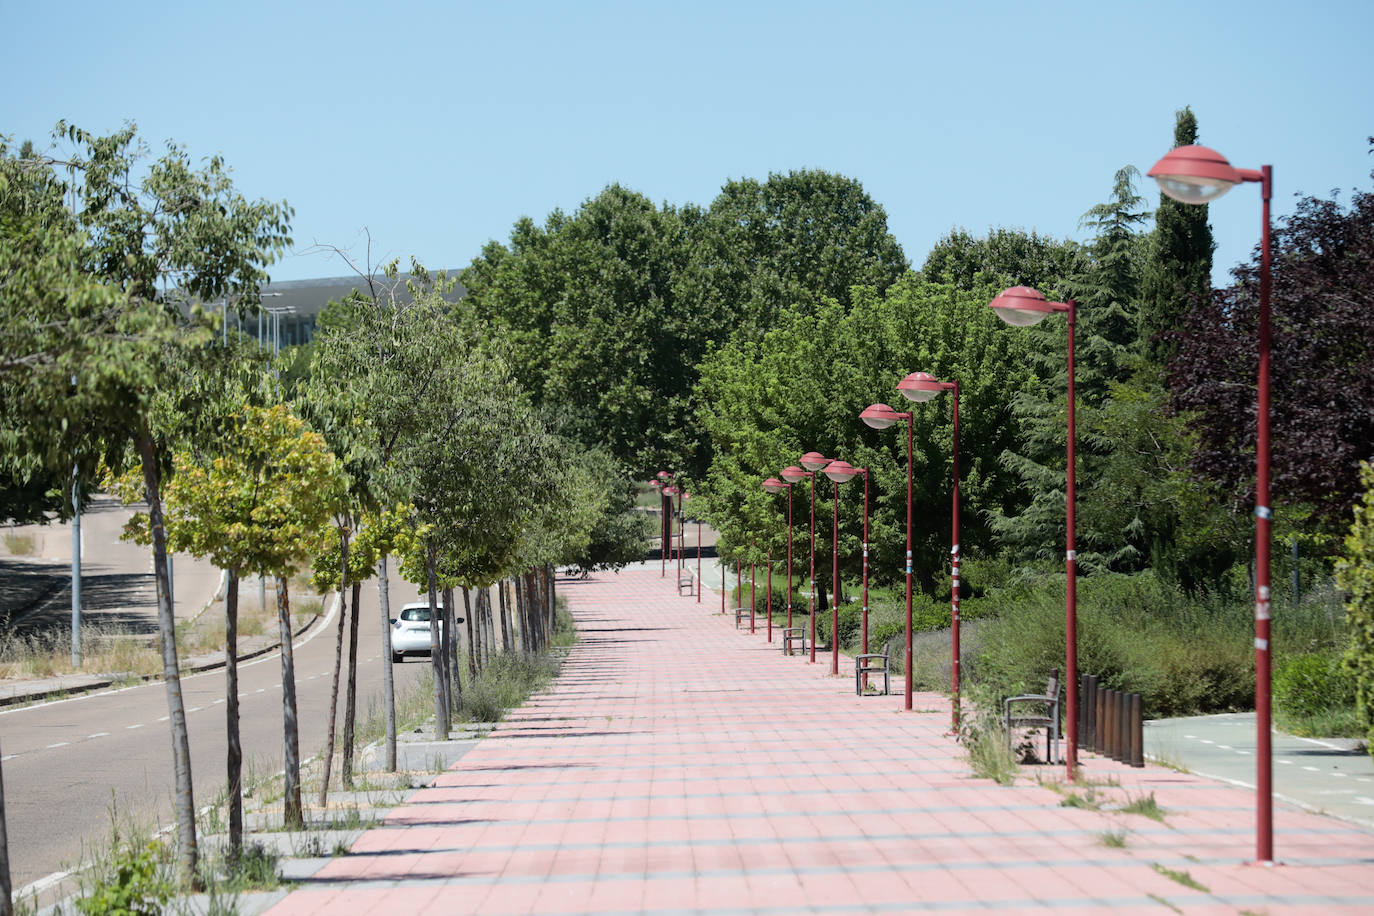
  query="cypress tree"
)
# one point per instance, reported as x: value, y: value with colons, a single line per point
x: 1178, y: 273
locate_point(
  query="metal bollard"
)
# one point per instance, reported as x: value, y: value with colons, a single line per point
x: 1123, y: 725
x: 1099, y: 721
x: 1108, y: 723
x: 1088, y: 728
x: 1137, y: 756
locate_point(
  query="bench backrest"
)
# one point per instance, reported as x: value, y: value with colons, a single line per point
x: 1052, y: 687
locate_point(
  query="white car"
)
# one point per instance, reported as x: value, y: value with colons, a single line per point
x: 410, y: 632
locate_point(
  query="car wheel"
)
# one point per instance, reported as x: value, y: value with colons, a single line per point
x: 397, y: 658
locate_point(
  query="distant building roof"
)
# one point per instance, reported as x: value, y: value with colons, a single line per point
x: 309, y: 297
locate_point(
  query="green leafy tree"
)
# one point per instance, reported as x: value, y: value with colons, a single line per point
x: 1003, y: 257
x: 608, y: 311
x: 1106, y: 353
x: 89, y: 323
x: 263, y: 508
x: 801, y: 387
x: 1355, y: 574
x: 1177, y: 274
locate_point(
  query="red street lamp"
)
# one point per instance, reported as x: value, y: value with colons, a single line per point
x: 843, y: 472
x: 922, y: 386
x: 1198, y: 175
x: 795, y: 474
x: 1021, y: 306
x: 773, y: 485
x: 881, y: 416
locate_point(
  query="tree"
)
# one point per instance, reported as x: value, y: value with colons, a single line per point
x: 262, y: 508
x: 801, y: 387
x: 1105, y: 291
x: 608, y: 311
x: 1321, y: 360
x: 1178, y: 269
x: 1004, y: 257
x: 1355, y: 574
x: 87, y: 322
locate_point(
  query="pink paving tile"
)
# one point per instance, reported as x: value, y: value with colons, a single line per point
x: 698, y: 768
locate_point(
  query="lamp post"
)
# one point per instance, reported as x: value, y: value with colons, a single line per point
x: 1021, y: 306
x: 920, y: 387
x: 881, y: 416
x: 1198, y: 175
x: 657, y: 485
x: 773, y: 485
x: 795, y: 474
x: 843, y: 472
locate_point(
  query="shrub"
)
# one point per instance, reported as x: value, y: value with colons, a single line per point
x: 1309, y: 687
x: 1355, y: 574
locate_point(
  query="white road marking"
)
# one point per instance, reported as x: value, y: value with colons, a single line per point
x: 217, y: 702
x: 8, y: 757
x: 58, y: 744
x: 98, y: 735
x: 163, y: 718
x: 139, y: 725
x: 1312, y: 769
x: 1288, y: 763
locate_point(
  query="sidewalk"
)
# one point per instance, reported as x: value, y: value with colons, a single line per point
x: 680, y: 765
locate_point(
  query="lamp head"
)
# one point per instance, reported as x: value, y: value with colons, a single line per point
x: 794, y: 474
x: 878, y: 416
x: 814, y: 461
x: 1021, y: 306
x: 1194, y: 174
x: 920, y: 386
x: 841, y: 471
x: 773, y: 485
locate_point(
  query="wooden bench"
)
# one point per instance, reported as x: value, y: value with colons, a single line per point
x: 871, y: 663
x: 1036, y: 710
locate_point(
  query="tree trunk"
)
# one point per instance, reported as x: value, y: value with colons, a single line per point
x: 472, y: 650
x: 294, y: 816
x: 388, y: 678
x: 351, y: 698
x: 234, y: 763
x: 503, y: 610
x: 184, y: 800
x: 436, y: 653
x: 338, y: 667
x: 483, y: 630
x: 6, y: 909
x: 455, y: 683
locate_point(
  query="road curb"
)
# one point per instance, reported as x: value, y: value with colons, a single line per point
x: 98, y: 682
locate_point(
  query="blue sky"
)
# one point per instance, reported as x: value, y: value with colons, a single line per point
x: 434, y: 126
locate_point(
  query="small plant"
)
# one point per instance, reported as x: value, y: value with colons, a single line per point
x: 1146, y: 806
x: 134, y: 885
x: 1087, y: 801
x: 1182, y: 877
x: 1113, y: 839
x: 985, y: 740
x: 18, y: 545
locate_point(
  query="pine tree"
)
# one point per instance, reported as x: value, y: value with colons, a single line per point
x: 1178, y: 272
x: 1106, y: 293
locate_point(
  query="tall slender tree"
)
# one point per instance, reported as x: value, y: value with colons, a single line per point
x: 1178, y: 268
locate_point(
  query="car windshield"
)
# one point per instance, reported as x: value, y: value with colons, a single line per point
x: 415, y: 613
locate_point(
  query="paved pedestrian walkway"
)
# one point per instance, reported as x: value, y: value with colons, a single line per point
x: 679, y: 765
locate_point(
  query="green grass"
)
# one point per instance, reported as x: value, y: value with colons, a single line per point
x: 1145, y: 806
x: 1182, y: 877
x: 1113, y: 839
x: 18, y: 545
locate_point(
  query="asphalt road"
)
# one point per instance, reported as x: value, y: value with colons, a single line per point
x: 1333, y: 776
x: 68, y: 764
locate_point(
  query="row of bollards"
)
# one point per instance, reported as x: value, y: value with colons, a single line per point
x: 1111, y: 722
